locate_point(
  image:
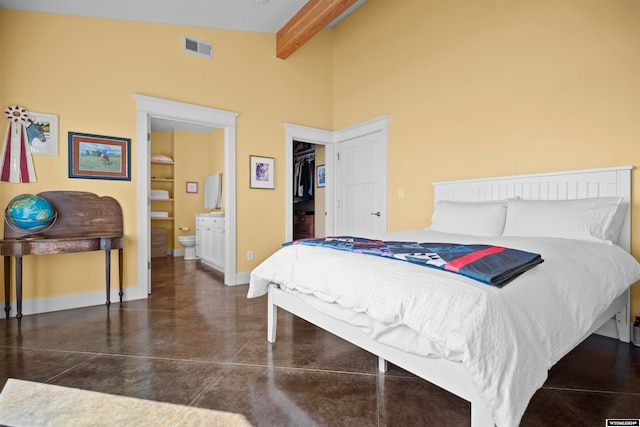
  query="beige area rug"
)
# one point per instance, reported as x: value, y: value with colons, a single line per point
x: 25, y: 403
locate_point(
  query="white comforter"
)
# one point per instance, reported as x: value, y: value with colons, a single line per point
x: 507, y: 338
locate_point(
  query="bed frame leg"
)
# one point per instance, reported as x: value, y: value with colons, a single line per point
x: 480, y: 417
x: 382, y: 365
x: 272, y: 316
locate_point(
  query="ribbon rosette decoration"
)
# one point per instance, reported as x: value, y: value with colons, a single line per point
x: 16, y: 164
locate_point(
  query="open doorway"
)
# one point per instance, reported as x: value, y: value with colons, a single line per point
x: 150, y: 108
x: 308, y: 190
x: 320, y: 140
x: 183, y: 159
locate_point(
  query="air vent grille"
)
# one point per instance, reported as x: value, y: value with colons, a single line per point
x: 198, y: 47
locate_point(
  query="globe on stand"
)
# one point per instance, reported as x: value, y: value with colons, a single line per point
x: 30, y: 214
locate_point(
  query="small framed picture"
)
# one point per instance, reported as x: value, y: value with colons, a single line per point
x: 99, y: 157
x: 320, y: 176
x: 192, y: 187
x: 262, y: 171
x: 43, y: 134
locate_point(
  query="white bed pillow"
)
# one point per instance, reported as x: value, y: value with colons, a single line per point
x: 474, y: 218
x: 613, y: 233
x: 596, y: 219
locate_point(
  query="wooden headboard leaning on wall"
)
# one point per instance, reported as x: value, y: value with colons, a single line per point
x: 79, y: 214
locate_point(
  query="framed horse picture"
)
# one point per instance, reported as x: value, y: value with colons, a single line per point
x: 99, y: 157
x: 43, y: 134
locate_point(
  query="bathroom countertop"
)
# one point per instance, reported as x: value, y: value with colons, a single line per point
x: 210, y: 214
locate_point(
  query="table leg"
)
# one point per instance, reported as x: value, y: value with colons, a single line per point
x: 19, y: 288
x: 7, y: 285
x: 120, y: 271
x: 107, y: 261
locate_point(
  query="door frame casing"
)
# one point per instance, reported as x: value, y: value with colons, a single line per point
x: 331, y: 141
x: 148, y: 106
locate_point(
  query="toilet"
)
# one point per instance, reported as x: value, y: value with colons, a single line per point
x: 189, y: 243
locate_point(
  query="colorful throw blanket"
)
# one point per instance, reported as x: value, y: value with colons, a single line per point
x: 493, y: 265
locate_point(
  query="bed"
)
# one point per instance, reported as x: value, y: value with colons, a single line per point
x: 467, y: 337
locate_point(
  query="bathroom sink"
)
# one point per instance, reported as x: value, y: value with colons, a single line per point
x: 211, y: 214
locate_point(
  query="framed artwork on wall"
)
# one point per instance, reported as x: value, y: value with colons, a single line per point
x: 262, y: 171
x: 192, y: 187
x: 43, y: 134
x: 99, y: 157
x: 320, y: 176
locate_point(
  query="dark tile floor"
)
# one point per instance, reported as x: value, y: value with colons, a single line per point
x: 198, y: 342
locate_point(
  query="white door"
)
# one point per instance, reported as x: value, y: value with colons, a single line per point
x: 361, y: 185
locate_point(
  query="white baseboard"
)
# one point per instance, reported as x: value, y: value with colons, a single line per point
x: 86, y: 299
x: 242, y: 278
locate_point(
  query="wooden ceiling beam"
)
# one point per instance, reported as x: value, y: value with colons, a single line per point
x: 309, y: 21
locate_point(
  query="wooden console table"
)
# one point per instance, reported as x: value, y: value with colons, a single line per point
x: 85, y: 222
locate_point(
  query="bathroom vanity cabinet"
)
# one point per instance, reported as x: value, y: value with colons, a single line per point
x: 210, y: 240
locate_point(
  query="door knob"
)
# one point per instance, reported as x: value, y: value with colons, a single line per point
x: 375, y: 213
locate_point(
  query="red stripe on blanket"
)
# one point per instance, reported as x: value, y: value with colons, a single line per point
x: 458, y: 263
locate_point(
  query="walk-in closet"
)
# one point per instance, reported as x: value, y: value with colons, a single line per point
x: 304, y: 188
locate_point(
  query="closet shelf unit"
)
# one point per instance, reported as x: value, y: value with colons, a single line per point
x: 164, y: 181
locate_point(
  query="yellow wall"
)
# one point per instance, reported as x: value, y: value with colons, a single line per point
x: 492, y: 87
x: 86, y: 71
x: 216, y: 160
x: 197, y: 155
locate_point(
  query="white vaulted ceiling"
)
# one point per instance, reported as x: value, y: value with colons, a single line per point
x: 244, y: 15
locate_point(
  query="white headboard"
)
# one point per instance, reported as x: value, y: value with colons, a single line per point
x: 547, y: 186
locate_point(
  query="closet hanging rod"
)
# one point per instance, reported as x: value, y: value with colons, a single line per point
x: 306, y: 151
x: 309, y: 156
